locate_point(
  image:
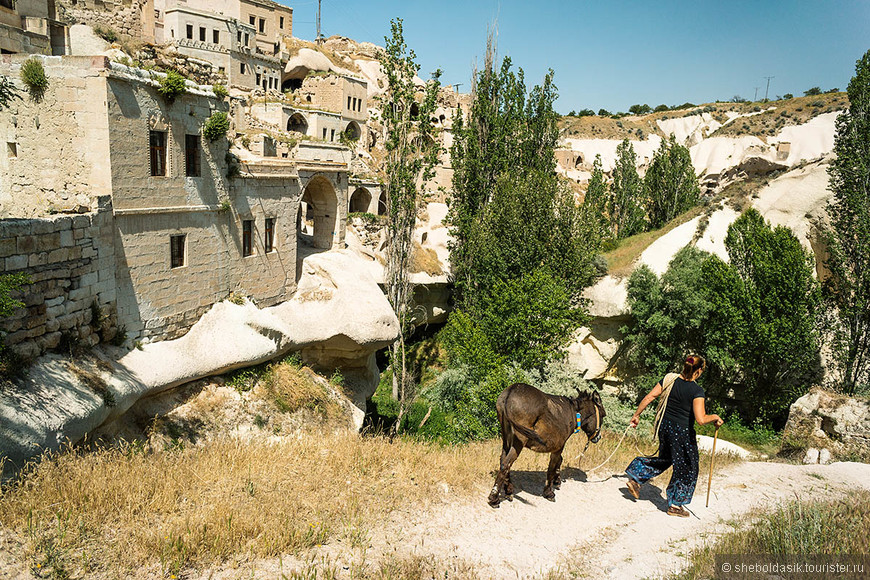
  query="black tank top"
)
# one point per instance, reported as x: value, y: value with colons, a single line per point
x: 680, y: 401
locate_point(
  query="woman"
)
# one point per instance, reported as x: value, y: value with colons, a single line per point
x: 676, y: 432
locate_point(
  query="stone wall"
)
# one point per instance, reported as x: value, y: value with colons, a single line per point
x: 56, y: 152
x: 130, y: 19
x: 70, y: 262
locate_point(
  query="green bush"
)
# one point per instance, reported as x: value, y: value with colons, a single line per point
x: 755, y: 319
x: 106, y: 34
x: 172, y: 86
x: 217, y: 126
x: 220, y: 91
x: 33, y: 76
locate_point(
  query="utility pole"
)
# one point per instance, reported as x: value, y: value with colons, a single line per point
x: 319, y: 38
x: 756, y: 94
x: 768, y: 87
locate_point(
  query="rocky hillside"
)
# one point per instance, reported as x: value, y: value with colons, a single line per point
x: 773, y: 157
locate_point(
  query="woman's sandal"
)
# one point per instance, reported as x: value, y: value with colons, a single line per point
x: 678, y: 511
x: 634, y: 488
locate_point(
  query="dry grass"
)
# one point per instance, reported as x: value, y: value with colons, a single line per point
x: 594, y: 127
x: 291, y: 389
x: 117, y: 512
x: 227, y: 501
x: 620, y: 261
x: 800, y: 527
x: 768, y: 123
x: 425, y: 260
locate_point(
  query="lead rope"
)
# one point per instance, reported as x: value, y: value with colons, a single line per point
x: 609, y: 457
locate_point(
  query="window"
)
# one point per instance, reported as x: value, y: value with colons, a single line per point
x: 262, y: 25
x: 247, y: 39
x: 258, y: 79
x: 269, y: 238
x: 247, y: 238
x: 239, y: 37
x: 332, y: 135
x: 192, y: 155
x: 8, y: 4
x: 202, y: 33
x: 12, y: 149
x: 324, y: 134
x: 252, y: 19
x: 242, y: 67
x: 348, y: 102
x: 158, y: 153
x: 216, y: 36
x: 281, y: 23
x: 176, y: 251
x: 190, y: 31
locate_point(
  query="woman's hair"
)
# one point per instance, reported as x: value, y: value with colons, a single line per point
x: 692, y: 364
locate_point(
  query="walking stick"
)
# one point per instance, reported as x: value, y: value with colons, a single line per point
x: 712, y: 457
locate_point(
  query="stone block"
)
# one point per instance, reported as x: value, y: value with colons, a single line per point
x: 42, y: 227
x: 8, y: 247
x: 48, y: 242
x: 52, y: 325
x: 15, y: 263
x: 32, y: 322
x: 67, y: 321
x: 90, y: 279
x: 26, y: 244
x: 67, y: 239
x: 33, y: 299
x: 55, y: 311
x: 80, y: 293
x: 26, y: 350
x: 16, y: 337
x: 37, y: 259
x: 55, y: 301
x: 49, y: 340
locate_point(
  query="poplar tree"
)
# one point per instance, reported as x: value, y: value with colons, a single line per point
x: 671, y: 184
x: 624, y: 203
x: 848, y: 239
x: 412, y: 152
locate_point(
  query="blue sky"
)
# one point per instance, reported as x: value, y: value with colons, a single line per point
x: 611, y: 54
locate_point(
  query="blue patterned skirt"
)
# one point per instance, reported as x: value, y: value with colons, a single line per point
x: 678, y: 447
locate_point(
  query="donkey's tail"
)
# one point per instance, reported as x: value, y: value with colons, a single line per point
x: 528, y: 433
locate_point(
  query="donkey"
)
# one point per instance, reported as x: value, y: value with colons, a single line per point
x: 530, y: 418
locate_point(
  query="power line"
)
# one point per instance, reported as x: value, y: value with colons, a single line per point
x: 768, y: 87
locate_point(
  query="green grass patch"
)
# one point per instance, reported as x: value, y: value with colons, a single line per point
x: 621, y: 259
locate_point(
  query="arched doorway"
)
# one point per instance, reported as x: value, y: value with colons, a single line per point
x: 317, y: 217
x: 352, y: 131
x: 382, y: 203
x: 579, y: 161
x: 297, y: 123
x: 360, y: 200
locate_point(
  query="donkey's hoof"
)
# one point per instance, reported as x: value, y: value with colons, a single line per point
x: 493, y: 504
x: 549, y: 495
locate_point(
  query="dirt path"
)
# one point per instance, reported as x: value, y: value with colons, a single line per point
x: 599, y: 529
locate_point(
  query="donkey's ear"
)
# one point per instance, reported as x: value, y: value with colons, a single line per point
x: 596, y: 397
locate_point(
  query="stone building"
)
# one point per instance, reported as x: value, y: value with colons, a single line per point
x: 129, y: 19
x: 31, y: 26
x: 183, y: 234
x: 242, y: 38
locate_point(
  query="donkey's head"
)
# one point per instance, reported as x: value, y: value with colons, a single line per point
x: 588, y: 405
